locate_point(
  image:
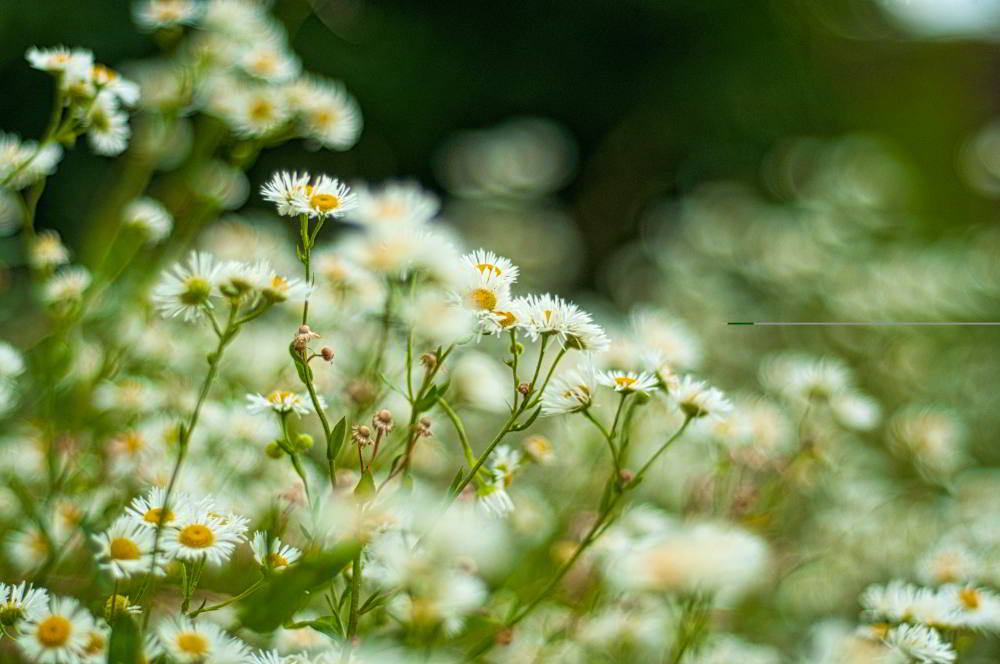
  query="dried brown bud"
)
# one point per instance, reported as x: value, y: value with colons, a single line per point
x: 361, y: 392
x: 424, y: 427
x: 429, y: 360
x: 361, y: 435
x: 524, y: 389
x: 382, y: 420
x: 327, y: 353
x: 626, y: 475
x: 302, y: 338
x: 504, y: 637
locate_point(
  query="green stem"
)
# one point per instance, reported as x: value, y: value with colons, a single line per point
x: 463, y: 437
x: 215, y: 607
x: 352, y: 622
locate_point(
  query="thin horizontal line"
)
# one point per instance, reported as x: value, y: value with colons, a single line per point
x: 799, y: 323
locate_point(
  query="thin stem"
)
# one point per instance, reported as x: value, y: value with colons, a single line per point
x: 215, y: 607
x: 607, y: 437
x: 305, y: 257
x: 463, y: 437
x: 663, y: 448
x: 352, y: 622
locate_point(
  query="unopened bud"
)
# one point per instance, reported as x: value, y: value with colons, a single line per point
x: 429, y: 360
x: 302, y: 338
x: 626, y: 475
x: 504, y: 637
x: 274, y: 450
x: 424, y: 427
x: 524, y: 389
x: 361, y: 435
x: 303, y: 442
x: 117, y: 605
x: 327, y: 353
x: 361, y: 392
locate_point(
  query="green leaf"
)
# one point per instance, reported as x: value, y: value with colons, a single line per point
x: 376, y: 600
x: 125, y: 644
x: 456, y: 481
x: 337, y: 438
x: 428, y: 400
x: 285, y: 593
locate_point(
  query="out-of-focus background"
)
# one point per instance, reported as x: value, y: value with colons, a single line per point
x: 656, y: 98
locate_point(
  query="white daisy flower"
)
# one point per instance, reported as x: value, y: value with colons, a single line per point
x: 269, y: 60
x: 949, y: 562
x: 570, y: 392
x: 272, y: 553
x: 67, y: 286
x: 697, y: 399
x: 47, y: 251
x: 975, y: 608
x: 186, y: 290
x: 280, y: 401
x: 899, y: 601
x: 187, y: 642
x: 487, y: 262
x: 59, y: 59
x: 551, y: 315
x: 21, y: 602
x: 95, y: 648
x: 504, y: 462
x: 11, y: 361
x: 22, y: 163
x: 327, y: 113
x: 288, y: 192
x: 58, y: 634
x: 113, y: 84
x: 107, y: 126
x: 126, y: 548
x: 256, y: 111
x: 157, y: 14
x: 147, y: 511
x: 629, y: 382
x: 394, y: 204
x: 203, y: 535
x: 494, y: 499
x: 920, y: 643
x: 148, y: 217
x: 483, y: 293
x: 282, y: 289
x: 329, y: 197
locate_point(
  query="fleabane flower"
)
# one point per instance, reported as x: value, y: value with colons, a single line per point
x: 23, y: 163
x: 919, y: 643
x: 570, y: 392
x: 629, y: 382
x: 148, y: 217
x: 394, y: 204
x: 204, y: 534
x: 58, y: 634
x: 107, y: 126
x: 326, y: 112
x: 269, y: 60
x: 148, y: 510
x: 697, y: 399
x: 188, y: 642
x: 487, y: 262
x: 328, y: 197
x: 67, y: 286
x: 186, y: 289
x: 47, y: 251
x: 272, y: 553
x: 21, y: 602
x: 546, y: 314
x: 255, y: 110
x: 126, y: 548
x: 287, y: 191
x: 157, y: 14
x: 281, y: 402
x: 60, y: 59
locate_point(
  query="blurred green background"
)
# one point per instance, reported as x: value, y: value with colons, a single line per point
x: 660, y: 96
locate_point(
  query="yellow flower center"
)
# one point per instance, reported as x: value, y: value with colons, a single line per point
x: 54, y: 631
x: 276, y: 560
x: 323, y: 117
x: 95, y: 644
x: 133, y: 442
x: 969, y: 598
x: 488, y: 267
x: 197, y: 536
x: 483, y: 298
x: 880, y: 630
x: 156, y: 515
x: 624, y: 381
x: 38, y: 544
x: 265, y: 63
x: 279, y: 397
x: 324, y: 202
x: 507, y: 318
x: 261, y: 110
x: 192, y: 643
x: 196, y: 290
x: 124, y: 549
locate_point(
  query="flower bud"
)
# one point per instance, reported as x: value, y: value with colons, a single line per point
x: 382, y: 421
x: 303, y: 442
x: 274, y: 450
x: 327, y: 353
x: 524, y: 389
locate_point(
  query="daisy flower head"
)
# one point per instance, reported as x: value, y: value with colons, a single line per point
x: 288, y: 192
x: 187, y: 642
x: 60, y: 59
x: 493, y: 499
x: 57, y: 634
x: 629, y: 382
x: 107, y: 126
x: 504, y: 463
x: 271, y: 657
x: 272, y: 552
x: 148, y: 510
x: 328, y: 197
x: 126, y: 548
x: 148, y: 217
x: 575, y: 329
x: 487, y: 262
x: 269, y: 60
x: 394, y: 204
x: 278, y: 289
x: 975, y: 608
x: 47, y: 251
x: 486, y: 295
x: 21, y: 602
x: 255, y: 111
x: 22, y: 163
x: 158, y: 14
x: 67, y: 286
x: 203, y: 534
x: 570, y: 392
x: 697, y: 399
x: 112, y: 84
x: 186, y: 289
x: 327, y: 112
x: 281, y: 402
x: 919, y: 643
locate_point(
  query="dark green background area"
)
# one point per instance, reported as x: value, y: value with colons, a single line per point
x: 661, y: 96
